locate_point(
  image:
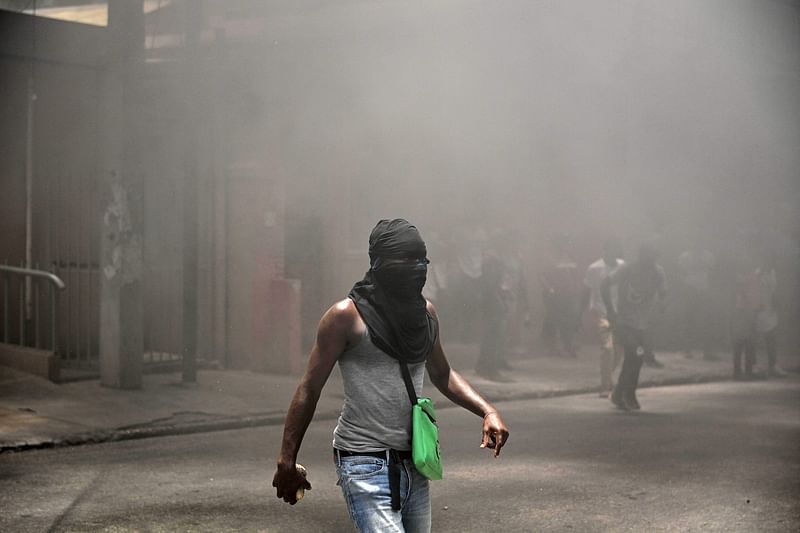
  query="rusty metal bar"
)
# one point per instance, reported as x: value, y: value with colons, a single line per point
x: 70, y: 232
x: 6, y: 325
x: 167, y: 325
x: 77, y: 285
x: 22, y: 313
x: 53, y: 319
x: 58, y: 232
x: 89, y: 231
x: 29, y: 160
x: 36, y: 323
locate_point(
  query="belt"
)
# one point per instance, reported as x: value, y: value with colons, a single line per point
x: 405, y: 454
x: 393, y: 458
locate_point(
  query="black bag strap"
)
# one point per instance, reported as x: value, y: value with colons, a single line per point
x: 394, y: 472
x: 412, y: 394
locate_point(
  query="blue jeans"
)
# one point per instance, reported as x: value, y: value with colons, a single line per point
x: 365, y: 485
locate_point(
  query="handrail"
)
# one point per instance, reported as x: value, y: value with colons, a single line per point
x: 56, y: 286
x: 52, y: 278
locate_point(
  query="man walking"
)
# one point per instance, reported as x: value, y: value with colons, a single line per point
x: 593, y: 280
x: 383, y: 323
x: 640, y: 286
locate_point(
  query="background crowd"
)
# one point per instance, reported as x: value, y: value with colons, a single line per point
x: 730, y: 296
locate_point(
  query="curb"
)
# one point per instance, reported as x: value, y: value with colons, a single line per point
x: 250, y: 421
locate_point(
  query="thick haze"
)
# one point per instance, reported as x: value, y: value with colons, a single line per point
x: 636, y: 119
x: 315, y: 119
x: 624, y: 117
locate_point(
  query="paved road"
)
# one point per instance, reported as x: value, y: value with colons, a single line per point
x: 714, y: 457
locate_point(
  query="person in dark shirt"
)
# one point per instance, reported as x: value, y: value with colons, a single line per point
x: 641, y: 290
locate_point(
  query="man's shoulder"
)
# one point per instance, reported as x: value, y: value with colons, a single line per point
x: 431, y: 309
x: 344, y: 306
x: 342, y: 315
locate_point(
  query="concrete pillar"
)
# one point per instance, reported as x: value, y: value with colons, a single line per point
x: 121, y: 184
x: 193, y: 19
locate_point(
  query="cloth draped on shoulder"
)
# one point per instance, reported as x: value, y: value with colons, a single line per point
x: 389, y: 298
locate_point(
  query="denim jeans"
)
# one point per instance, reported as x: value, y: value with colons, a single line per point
x: 632, y: 340
x: 365, y: 485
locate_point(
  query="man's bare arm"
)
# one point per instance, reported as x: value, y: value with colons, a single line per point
x: 332, y: 337
x: 460, y: 392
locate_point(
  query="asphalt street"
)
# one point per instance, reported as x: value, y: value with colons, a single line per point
x: 711, y: 457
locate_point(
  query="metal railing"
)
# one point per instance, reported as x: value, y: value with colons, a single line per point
x: 25, y: 326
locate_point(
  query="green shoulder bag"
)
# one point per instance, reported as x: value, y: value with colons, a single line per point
x: 424, y: 432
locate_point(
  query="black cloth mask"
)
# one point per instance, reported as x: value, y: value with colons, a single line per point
x: 389, y: 298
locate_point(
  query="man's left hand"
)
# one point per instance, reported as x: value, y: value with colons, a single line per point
x: 495, y: 433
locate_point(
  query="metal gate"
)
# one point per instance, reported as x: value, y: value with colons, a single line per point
x: 73, y: 237
x: 72, y: 241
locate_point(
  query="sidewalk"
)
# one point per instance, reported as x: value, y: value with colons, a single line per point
x: 35, y: 413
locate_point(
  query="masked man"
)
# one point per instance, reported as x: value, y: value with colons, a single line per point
x: 385, y: 321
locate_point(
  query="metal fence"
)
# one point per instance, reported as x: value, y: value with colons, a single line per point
x: 26, y: 292
x: 73, y: 238
x: 73, y: 250
x: 162, y: 316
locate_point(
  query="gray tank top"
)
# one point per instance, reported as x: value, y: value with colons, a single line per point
x: 376, y: 414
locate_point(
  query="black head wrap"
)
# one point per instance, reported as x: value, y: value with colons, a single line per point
x: 389, y: 298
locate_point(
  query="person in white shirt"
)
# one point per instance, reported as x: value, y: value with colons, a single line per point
x: 592, y: 298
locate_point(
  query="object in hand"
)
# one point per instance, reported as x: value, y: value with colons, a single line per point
x: 301, y: 492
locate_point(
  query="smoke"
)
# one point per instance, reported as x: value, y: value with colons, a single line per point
x: 547, y: 115
x: 315, y: 119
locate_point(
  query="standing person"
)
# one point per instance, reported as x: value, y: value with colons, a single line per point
x: 743, y: 319
x: 695, y: 266
x: 593, y: 299
x: 466, y: 282
x: 561, y: 288
x: 494, y: 325
x: 641, y: 285
x: 514, y: 288
x: 384, y: 322
x: 766, y: 319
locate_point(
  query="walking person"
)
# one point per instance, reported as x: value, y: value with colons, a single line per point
x: 641, y: 287
x: 561, y: 288
x: 593, y: 299
x: 384, y: 323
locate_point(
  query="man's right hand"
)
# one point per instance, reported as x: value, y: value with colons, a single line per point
x: 287, y: 481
